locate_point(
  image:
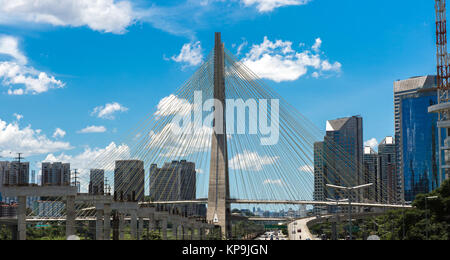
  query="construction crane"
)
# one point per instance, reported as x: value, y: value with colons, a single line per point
x: 443, y: 87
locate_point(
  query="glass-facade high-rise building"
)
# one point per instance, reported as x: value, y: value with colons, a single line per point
x: 416, y: 135
x: 338, y: 160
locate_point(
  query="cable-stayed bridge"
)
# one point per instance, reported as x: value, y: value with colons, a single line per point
x: 229, y: 138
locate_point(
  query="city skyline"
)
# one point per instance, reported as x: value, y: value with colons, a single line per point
x: 127, y: 120
x: 97, y: 106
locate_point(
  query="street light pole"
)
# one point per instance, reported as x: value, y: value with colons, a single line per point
x: 337, y: 214
x: 350, y: 192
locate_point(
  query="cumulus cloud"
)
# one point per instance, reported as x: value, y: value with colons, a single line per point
x: 108, y: 16
x: 176, y: 145
x: 279, y: 62
x: 172, y: 105
x: 108, y: 111
x: 250, y: 161
x: 372, y: 143
x: 92, y: 129
x: 59, y: 133
x: 14, y: 139
x: 17, y: 76
x: 269, y: 5
x: 317, y: 45
x: 190, y: 55
x: 9, y: 46
x: 97, y: 158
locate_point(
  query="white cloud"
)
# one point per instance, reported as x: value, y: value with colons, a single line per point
x: 173, y: 105
x: 317, y: 45
x: 108, y: 16
x: 190, y: 55
x: 108, y: 111
x: 251, y: 161
x: 20, y: 78
x: 92, y: 129
x: 92, y: 159
x: 241, y: 47
x: 10, y: 46
x: 273, y: 182
x: 181, y: 145
x: 18, y: 116
x: 277, y: 61
x: 269, y: 5
x: 372, y: 143
x: 59, y: 133
x: 306, y: 168
x: 31, y: 142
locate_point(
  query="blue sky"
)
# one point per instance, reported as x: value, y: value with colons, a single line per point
x: 120, y: 58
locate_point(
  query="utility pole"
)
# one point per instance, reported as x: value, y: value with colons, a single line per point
x: 336, y: 235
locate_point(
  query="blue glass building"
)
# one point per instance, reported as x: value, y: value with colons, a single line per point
x: 416, y: 136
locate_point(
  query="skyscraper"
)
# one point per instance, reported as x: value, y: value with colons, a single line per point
x: 129, y: 180
x: 175, y: 181
x: 13, y: 173
x: 416, y: 135
x: 344, y: 138
x: 55, y: 174
x: 338, y: 160
x: 320, y: 174
x: 371, y: 175
x: 388, y: 171
x: 97, y: 182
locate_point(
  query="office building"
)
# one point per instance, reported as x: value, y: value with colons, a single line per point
x: 320, y: 173
x: 97, y: 182
x: 129, y: 180
x: 338, y: 160
x: 388, y: 171
x: 416, y: 136
x: 55, y: 174
x: 15, y: 173
x: 371, y: 175
x: 175, y: 181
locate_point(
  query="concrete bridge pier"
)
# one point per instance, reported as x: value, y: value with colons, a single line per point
x: 71, y: 215
x: 121, y: 226
x: 140, y: 227
x: 21, y: 218
x: 175, y: 227
x: 99, y: 225
x: 107, y: 222
x: 184, y: 231
x: 133, y: 224
x: 13, y: 232
x: 151, y: 224
x: 200, y: 233
x: 164, y: 229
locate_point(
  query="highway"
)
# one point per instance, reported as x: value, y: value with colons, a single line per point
x: 273, y: 235
x: 297, y: 225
